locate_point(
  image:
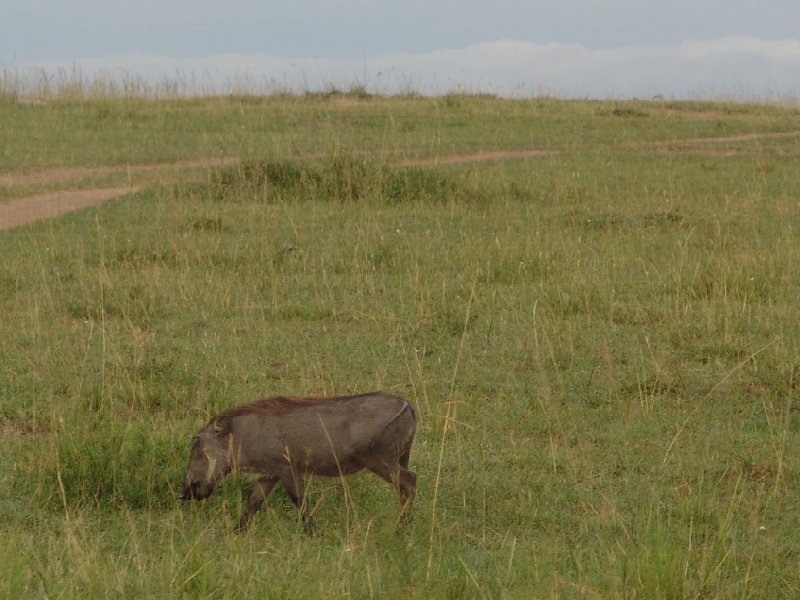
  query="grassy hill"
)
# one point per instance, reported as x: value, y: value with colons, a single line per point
x: 593, y: 306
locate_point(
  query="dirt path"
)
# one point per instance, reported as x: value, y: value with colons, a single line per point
x: 23, y: 211
x: 77, y: 173
x: 43, y: 206
x: 462, y: 159
x: 742, y: 137
x: 30, y: 209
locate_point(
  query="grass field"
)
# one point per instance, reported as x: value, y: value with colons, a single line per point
x: 602, y: 342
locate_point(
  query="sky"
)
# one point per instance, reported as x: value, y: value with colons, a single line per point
x: 748, y: 49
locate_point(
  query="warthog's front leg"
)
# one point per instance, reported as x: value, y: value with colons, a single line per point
x: 261, y: 489
x: 296, y: 490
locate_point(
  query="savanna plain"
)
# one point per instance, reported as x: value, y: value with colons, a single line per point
x: 593, y: 306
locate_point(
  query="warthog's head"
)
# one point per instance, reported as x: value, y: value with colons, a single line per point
x: 210, y: 460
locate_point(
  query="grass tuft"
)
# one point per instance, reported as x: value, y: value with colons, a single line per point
x: 339, y: 180
x: 119, y: 466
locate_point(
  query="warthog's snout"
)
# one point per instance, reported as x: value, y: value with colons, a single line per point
x: 186, y: 494
x: 196, y: 491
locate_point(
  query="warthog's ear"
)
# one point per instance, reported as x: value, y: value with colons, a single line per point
x: 222, y: 425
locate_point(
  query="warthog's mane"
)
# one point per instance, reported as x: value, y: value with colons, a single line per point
x: 277, y: 404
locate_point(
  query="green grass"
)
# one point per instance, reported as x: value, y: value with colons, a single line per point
x: 602, y: 345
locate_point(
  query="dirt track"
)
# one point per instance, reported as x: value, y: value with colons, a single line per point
x: 30, y: 209
x: 461, y: 159
x: 43, y: 206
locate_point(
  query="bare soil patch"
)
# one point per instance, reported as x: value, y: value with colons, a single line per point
x: 76, y: 173
x: 706, y: 145
x: 44, y: 206
x: 23, y: 211
x: 460, y: 159
x: 743, y: 137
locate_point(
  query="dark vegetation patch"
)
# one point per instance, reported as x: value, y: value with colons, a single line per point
x: 593, y: 221
x: 122, y: 464
x: 338, y: 180
x: 8, y: 283
x: 207, y: 224
x: 624, y: 111
x: 663, y: 218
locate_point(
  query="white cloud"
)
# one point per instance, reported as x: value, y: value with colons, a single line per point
x: 741, y: 67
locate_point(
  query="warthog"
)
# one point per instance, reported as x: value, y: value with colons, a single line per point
x: 281, y: 440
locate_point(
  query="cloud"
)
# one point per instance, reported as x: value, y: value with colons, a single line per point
x: 740, y: 67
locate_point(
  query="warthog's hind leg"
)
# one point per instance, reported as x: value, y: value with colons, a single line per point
x: 408, y: 489
x: 402, y: 479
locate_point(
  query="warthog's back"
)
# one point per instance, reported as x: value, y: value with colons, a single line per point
x: 320, y: 436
